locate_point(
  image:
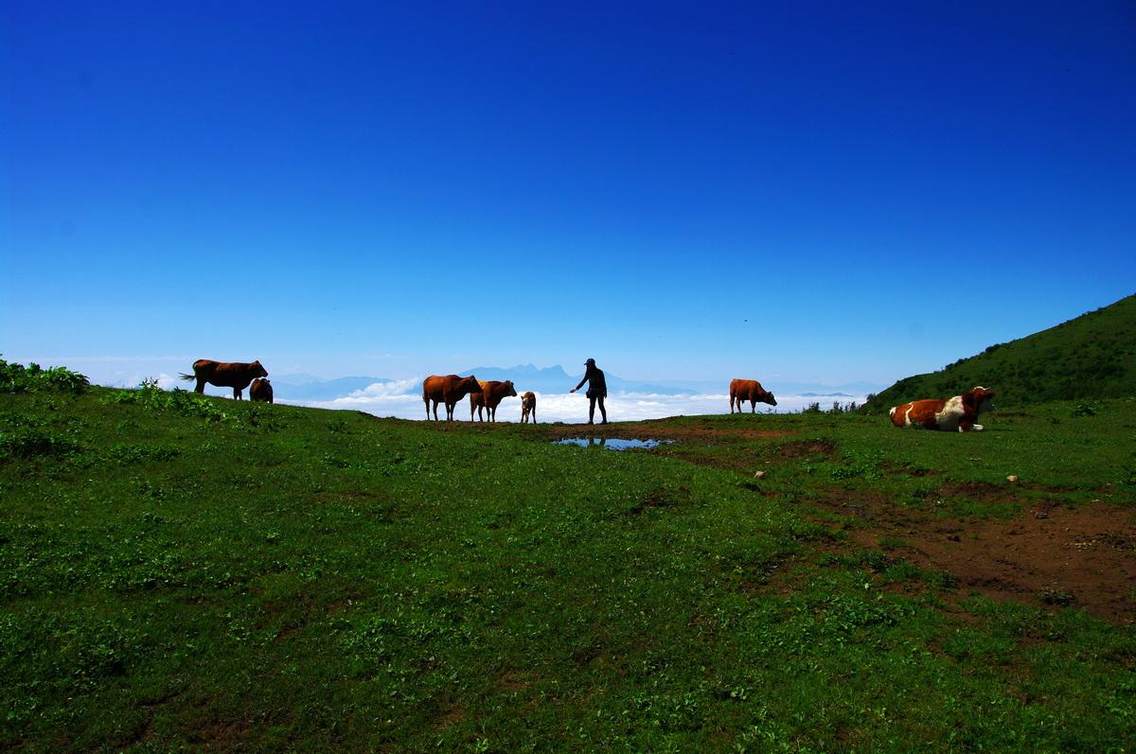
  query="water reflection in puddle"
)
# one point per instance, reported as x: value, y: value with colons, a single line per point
x: 613, y: 443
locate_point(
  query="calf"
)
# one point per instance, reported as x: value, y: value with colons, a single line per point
x: 528, y: 406
x: 261, y: 390
x: 957, y: 413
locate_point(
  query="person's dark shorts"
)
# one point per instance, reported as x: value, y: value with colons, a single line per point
x: 593, y: 394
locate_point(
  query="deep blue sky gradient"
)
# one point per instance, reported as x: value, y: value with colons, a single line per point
x: 818, y: 192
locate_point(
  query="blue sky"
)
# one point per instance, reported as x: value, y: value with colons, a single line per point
x: 819, y: 192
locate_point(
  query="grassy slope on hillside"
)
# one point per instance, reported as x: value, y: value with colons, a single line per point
x: 1090, y: 357
x: 272, y: 577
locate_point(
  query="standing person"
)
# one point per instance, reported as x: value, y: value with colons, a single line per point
x: 597, y: 390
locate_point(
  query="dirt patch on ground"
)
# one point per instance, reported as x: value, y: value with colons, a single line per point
x: 514, y: 680
x: 1045, y: 554
x: 221, y: 735
x: 705, y: 431
x: 660, y: 498
x: 806, y: 448
x: 987, y: 492
x: 451, y: 715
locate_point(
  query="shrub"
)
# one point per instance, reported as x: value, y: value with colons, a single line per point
x: 1084, y: 409
x: 177, y: 401
x: 16, y: 378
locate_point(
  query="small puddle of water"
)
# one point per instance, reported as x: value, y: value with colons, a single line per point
x: 613, y: 443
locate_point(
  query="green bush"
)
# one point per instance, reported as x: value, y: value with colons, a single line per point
x: 1084, y: 409
x: 16, y: 378
x: 176, y: 401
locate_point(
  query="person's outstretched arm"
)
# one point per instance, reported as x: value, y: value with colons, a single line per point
x: 581, y: 383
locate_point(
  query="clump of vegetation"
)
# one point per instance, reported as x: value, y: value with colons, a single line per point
x: 176, y: 401
x: 16, y: 378
x: 32, y: 442
x: 837, y: 408
x: 1084, y: 409
x: 126, y: 454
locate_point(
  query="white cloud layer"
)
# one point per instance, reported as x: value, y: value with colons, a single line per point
x: 403, y: 399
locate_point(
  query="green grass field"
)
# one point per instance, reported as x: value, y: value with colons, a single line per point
x: 202, y: 574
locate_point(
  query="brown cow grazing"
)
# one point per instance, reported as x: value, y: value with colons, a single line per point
x: 528, y: 406
x: 261, y: 390
x: 490, y: 397
x: 234, y: 374
x: 448, y: 389
x: 950, y: 414
x: 749, y: 390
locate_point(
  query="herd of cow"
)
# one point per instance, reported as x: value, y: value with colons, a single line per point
x: 958, y: 413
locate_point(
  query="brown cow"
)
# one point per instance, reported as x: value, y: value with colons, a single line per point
x: 261, y: 390
x: 490, y: 397
x: 528, y: 406
x: 234, y: 374
x: 448, y: 389
x: 957, y: 413
x: 749, y: 390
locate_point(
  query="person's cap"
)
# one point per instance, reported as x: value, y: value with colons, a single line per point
x: 589, y: 362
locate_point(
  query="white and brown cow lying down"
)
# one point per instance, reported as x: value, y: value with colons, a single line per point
x: 957, y: 413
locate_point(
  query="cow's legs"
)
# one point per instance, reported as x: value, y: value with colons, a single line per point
x: 200, y: 389
x: 427, y: 402
x: 753, y: 407
x: 236, y: 393
x: 534, y: 414
x: 435, y: 411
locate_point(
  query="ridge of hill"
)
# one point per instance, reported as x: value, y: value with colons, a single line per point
x: 1089, y: 357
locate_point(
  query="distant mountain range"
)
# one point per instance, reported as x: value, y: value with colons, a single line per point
x: 303, y: 387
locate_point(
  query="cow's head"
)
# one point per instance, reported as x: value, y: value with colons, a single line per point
x: 258, y: 370
x: 767, y: 397
x: 509, y: 389
x: 977, y: 400
x: 472, y: 384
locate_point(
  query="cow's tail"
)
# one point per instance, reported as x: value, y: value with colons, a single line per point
x: 891, y: 413
x: 186, y: 377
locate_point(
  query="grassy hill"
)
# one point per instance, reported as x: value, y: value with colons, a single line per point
x: 185, y: 573
x: 1090, y: 357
